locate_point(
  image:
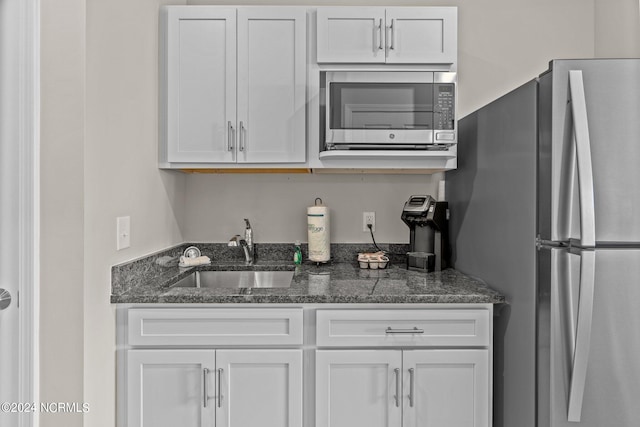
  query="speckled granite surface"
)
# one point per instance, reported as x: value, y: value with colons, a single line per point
x: 341, y: 281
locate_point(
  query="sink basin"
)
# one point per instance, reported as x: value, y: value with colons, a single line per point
x: 236, y: 279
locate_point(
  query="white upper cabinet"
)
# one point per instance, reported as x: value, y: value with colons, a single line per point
x: 426, y: 35
x: 271, y: 85
x: 393, y: 35
x: 233, y: 85
x: 351, y: 34
x: 199, y: 83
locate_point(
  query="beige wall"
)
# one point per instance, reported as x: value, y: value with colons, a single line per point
x: 277, y: 205
x: 62, y: 207
x: 121, y: 175
x: 96, y: 169
x: 617, y: 28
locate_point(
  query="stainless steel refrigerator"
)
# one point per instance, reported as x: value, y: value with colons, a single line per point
x: 545, y: 207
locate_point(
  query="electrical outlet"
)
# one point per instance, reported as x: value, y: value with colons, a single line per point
x: 123, y: 232
x: 368, y: 218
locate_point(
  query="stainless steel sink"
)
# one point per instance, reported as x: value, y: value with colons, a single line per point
x: 236, y: 279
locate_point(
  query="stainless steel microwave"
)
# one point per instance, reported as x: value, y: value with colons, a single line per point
x: 389, y: 110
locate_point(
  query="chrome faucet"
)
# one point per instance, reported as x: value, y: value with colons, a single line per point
x: 246, y: 243
x: 248, y: 236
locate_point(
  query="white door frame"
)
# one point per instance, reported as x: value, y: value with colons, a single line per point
x: 29, y: 227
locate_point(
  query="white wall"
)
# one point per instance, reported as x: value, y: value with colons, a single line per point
x: 105, y: 167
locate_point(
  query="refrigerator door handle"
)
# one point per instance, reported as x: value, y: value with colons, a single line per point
x: 583, y: 153
x: 583, y: 335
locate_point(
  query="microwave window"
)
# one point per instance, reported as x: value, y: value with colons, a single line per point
x: 381, y: 105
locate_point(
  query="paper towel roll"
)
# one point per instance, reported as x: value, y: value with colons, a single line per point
x: 441, y: 191
x: 318, y: 233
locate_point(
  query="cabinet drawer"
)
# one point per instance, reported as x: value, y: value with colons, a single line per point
x: 405, y: 328
x: 202, y: 326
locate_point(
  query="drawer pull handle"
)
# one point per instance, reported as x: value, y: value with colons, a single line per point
x: 415, y: 330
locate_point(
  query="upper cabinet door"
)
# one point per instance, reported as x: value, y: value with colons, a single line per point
x: 425, y: 35
x: 271, y: 85
x: 351, y: 34
x: 200, y: 84
x: 396, y: 35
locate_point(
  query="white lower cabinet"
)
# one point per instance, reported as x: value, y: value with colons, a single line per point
x: 448, y: 388
x: 166, y: 388
x: 394, y: 388
x: 358, y: 388
x: 223, y: 388
x: 259, y: 388
x: 363, y: 365
x: 404, y: 367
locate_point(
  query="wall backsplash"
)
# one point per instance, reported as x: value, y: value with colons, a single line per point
x: 277, y: 205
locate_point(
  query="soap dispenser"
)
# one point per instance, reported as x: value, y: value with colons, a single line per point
x: 297, y: 255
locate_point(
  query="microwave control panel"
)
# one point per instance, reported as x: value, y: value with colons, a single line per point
x: 444, y: 94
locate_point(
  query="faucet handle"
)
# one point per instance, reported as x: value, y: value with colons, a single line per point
x: 235, y: 240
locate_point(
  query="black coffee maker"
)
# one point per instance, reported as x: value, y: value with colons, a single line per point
x: 428, y: 222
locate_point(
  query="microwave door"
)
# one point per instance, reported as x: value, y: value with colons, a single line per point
x: 380, y: 113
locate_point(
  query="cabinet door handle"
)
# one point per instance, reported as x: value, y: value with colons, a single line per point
x: 415, y: 330
x: 205, y: 387
x: 229, y: 136
x: 411, y: 385
x: 380, y: 47
x: 219, y: 387
x: 393, y: 36
x: 242, y: 136
x: 396, y: 372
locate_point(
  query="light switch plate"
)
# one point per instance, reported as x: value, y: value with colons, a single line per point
x: 123, y: 230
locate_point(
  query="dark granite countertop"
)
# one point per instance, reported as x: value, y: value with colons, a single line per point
x: 336, y: 282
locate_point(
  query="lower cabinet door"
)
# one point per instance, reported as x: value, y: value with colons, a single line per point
x: 358, y: 388
x: 170, y: 388
x: 446, y: 388
x: 259, y: 388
